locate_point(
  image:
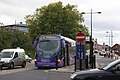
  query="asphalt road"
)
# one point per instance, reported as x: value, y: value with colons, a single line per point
x: 35, y: 75
x: 32, y: 73
x: 102, y: 61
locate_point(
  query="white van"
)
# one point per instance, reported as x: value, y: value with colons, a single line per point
x: 13, y: 57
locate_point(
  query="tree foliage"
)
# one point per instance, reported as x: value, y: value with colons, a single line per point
x: 14, y: 39
x: 56, y: 19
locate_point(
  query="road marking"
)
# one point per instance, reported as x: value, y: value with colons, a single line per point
x: 46, y: 70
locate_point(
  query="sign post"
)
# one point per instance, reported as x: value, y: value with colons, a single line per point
x: 80, y: 50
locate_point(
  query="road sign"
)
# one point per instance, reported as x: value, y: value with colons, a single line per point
x: 80, y: 52
x: 80, y: 37
x: 87, y: 38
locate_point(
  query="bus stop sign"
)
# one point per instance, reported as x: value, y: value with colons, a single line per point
x: 80, y: 37
x: 80, y: 54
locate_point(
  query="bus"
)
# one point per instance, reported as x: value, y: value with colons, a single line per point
x: 54, y: 50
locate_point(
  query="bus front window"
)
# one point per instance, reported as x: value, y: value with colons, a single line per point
x: 49, y: 47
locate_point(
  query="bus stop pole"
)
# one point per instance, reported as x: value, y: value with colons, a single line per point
x: 80, y: 63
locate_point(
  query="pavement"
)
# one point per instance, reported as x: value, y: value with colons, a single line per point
x: 67, y: 69
x: 70, y: 69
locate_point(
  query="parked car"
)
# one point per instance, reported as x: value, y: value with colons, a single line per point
x: 95, y: 51
x: 13, y: 57
x: 109, y: 72
x: 28, y: 59
x: 102, y: 53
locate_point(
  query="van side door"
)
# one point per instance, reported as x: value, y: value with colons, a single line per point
x: 15, y: 58
x: 20, y: 57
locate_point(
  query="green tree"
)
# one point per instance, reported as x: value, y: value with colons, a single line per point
x: 56, y: 19
x: 14, y: 39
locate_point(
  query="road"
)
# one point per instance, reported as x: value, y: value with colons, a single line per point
x: 102, y: 61
x: 31, y: 73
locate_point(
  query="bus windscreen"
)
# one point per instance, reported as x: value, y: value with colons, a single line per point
x: 49, y: 47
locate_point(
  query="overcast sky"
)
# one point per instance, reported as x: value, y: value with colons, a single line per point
x: 108, y: 20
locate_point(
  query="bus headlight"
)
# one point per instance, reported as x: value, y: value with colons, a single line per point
x: 35, y: 60
x: 58, y: 60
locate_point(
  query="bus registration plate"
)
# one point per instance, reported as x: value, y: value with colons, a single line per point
x: 45, y: 65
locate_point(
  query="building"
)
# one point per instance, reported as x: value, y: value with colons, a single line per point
x: 116, y: 48
x: 20, y: 26
x: 98, y: 47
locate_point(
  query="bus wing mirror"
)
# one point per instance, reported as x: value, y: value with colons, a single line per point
x: 35, y: 42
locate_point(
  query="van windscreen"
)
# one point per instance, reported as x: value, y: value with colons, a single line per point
x: 6, y: 54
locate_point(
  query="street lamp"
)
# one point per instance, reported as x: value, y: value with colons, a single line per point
x: 91, y: 17
x: 110, y: 35
x: 92, y: 61
x: 109, y: 42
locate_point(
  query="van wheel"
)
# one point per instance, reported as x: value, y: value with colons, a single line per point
x: 11, y: 66
x: 23, y: 64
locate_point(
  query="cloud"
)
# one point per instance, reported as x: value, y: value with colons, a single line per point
x: 11, y: 10
x: 20, y: 3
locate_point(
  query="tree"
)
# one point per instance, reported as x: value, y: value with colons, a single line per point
x: 56, y: 19
x: 15, y: 38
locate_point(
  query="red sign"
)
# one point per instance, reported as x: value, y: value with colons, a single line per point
x: 80, y: 37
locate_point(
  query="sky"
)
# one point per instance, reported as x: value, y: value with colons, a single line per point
x: 105, y: 26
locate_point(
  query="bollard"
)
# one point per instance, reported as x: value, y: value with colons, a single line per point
x: 75, y: 64
x: 80, y: 64
x: 94, y: 65
x: 86, y: 62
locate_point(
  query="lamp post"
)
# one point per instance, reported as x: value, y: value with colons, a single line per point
x: 108, y: 44
x: 91, y: 13
x: 92, y: 62
x: 110, y: 35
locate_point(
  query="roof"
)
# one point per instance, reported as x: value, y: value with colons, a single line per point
x: 71, y: 41
x: 18, y: 25
x: 17, y: 49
